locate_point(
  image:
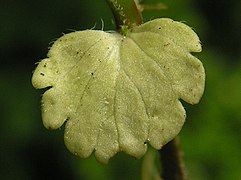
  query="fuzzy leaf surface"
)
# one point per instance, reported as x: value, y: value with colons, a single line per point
x: 120, y: 93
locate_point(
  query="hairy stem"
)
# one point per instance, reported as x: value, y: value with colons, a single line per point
x: 172, y: 161
x: 126, y: 13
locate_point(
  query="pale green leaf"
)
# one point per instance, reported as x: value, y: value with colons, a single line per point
x: 119, y: 93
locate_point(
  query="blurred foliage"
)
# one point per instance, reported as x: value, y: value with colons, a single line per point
x: 211, y: 135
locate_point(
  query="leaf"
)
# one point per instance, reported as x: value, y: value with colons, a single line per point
x: 118, y: 93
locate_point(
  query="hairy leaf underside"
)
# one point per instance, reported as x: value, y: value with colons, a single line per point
x: 120, y: 93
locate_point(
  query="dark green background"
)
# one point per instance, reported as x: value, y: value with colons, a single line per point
x: 211, y: 135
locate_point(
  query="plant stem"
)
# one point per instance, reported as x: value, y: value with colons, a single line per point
x: 172, y: 161
x: 125, y: 13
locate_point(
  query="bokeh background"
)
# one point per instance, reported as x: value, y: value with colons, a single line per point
x: 210, y: 138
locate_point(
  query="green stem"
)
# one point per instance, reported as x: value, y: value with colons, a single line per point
x: 126, y: 14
